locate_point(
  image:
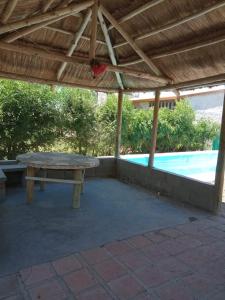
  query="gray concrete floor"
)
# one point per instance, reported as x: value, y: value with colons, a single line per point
x: 50, y: 228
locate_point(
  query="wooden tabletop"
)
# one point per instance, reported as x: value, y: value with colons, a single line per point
x: 55, y: 160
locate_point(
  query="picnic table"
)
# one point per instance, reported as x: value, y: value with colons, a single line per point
x: 43, y: 161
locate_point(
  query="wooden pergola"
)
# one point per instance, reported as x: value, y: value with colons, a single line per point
x: 134, y: 45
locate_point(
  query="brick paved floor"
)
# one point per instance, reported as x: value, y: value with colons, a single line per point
x: 177, y: 263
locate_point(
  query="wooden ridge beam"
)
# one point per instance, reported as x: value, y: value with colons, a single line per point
x: 212, y: 39
x: 74, y: 42
x: 28, y: 78
x: 110, y: 48
x: 94, y: 25
x: 72, y: 8
x: 10, y: 6
x: 165, y: 27
x: 130, y: 41
x: 137, y: 11
x: 56, y: 56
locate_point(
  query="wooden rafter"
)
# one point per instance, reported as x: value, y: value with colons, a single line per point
x: 110, y: 48
x: 138, y: 11
x: 71, y: 33
x: 212, y: 39
x: 74, y: 42
x: 72, y: 8
x: 56, y: 56
x: 131, y: 42
x: 28, y: 78
x: 47, y: 5
x: 94, y: 29
x: 10, y: 6
x: 163, y: 28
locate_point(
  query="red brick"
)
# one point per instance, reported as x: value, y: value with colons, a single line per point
x: 126, y: 287
x: 98, y: 293
x: 9, y: 285
x: 175, y: 291
x: 50, y: 290
x: 173, y: 267
x: 200, y: 284
x: 66, y: 264
x: 146, y: 296
x: 139, y: 241
x: 37, y: 273
x: 219, y: 295
x: 96, y: 255
x: 171, y: 232
x: 155, y: 252
x: 16, y: 297
x: 152, y: 276
x: 118, y: 248
x: 179, y: 245
x: 217, y: 233
x: 79, y: 280
x: 110, y: 269
x: 155, y: 237
x: 135, y: 260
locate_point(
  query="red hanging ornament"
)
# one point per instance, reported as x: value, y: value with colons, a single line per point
x: 97, y: 68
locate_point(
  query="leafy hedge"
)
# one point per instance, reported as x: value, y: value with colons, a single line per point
x: 34, y: 118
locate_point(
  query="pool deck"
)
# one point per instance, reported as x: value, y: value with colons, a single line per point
x: 124, y: 243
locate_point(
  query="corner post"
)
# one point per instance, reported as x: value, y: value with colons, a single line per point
x: 119, y: 124
x: 154, y: 129
x: 220, y: 167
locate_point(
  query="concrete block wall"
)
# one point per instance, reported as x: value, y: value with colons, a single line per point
x: 196, y: 193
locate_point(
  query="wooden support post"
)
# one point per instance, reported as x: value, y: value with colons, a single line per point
x: 30, y: 184
x: 220, y: 168
x: 43, y: 183
x: 154, y: 129
x: 119, y: 124
x: 78, y: 175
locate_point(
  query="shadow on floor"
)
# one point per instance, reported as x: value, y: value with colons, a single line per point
x: 50, y: 228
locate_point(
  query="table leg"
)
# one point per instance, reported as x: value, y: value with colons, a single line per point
x: 82, y: 186
x: 30, y: 184
x: 77, y: 188
x: 43, y: 183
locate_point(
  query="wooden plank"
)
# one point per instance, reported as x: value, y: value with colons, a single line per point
x: 94, y: 30
x: 220, y: 167
x: 53, y: 180
x: 72, y: 8
x: 130, y: 41
x: 75, y: 42
x: 119, y: 124
x: 138, y: 11
x: 53, y: 55
x: 10, y: 6
x: 154, y: 129
x: 176, y: 23
x: 110, y: 48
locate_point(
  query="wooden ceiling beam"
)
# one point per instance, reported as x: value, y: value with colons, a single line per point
x: 71, y: 33
x: 28, y: 78
x: 174, y: 24
x: 212, y: 39
x: 131, y: 42
x: 137, y: 11
x: 70, y: 9
x: 9, y: 8
x: 47, y: 5
x: 94, y: 25
x: 56, y: 56
x: 74, y: 43
x: 110, y: 48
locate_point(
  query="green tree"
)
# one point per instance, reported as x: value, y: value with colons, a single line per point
x: 27, y: 117
x: 78, y: 115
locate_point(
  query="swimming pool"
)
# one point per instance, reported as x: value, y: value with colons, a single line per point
x: 200, y: 165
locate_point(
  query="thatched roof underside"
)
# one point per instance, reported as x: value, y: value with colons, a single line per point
x: 150, y: 44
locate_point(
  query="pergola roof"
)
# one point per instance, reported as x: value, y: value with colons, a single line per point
x: 145, y: 44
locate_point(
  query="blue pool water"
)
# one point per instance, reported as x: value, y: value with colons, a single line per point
x: 200, y: 165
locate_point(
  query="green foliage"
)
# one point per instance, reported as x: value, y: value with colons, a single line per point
x: 28, y: 117
x: 33, y: 118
